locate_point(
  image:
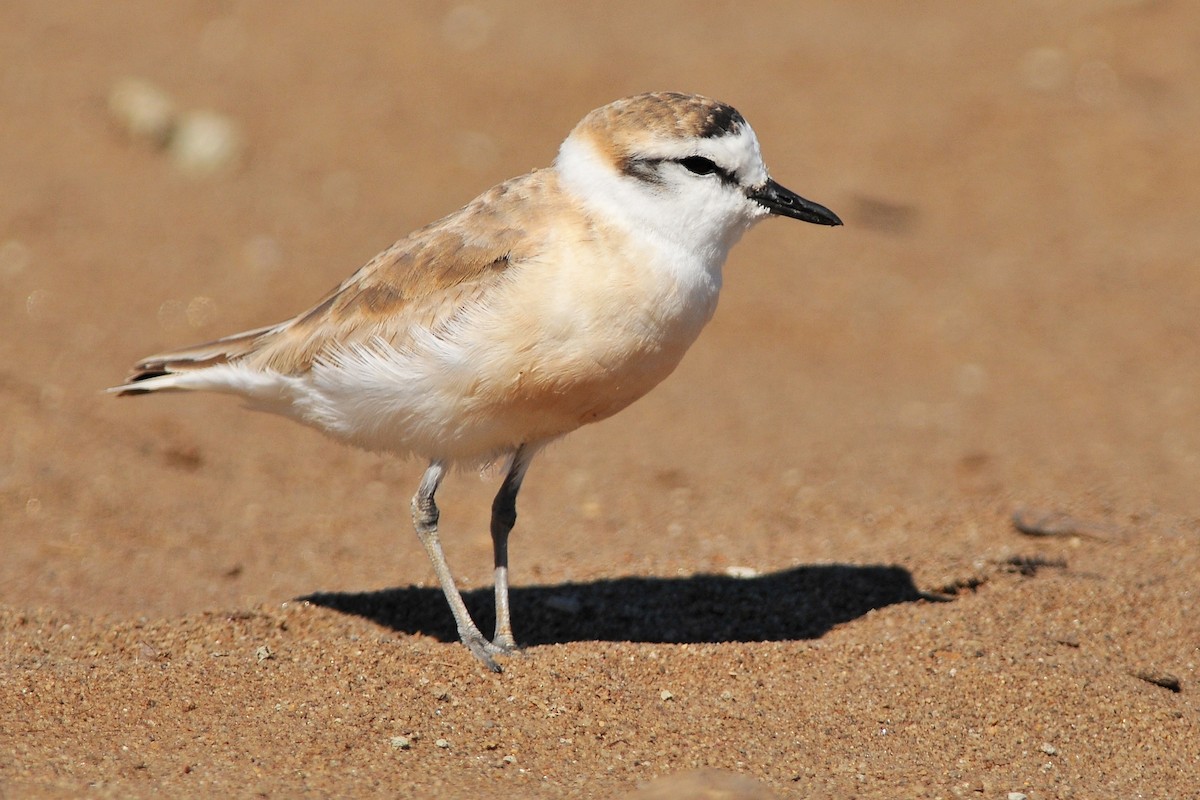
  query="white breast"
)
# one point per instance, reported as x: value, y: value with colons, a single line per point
x: 563, y: 342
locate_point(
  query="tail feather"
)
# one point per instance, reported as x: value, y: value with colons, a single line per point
x: 148, y: 374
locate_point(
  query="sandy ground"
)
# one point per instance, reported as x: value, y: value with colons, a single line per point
x: 794, y: 563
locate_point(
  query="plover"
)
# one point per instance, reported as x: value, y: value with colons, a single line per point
x: 550, y: 301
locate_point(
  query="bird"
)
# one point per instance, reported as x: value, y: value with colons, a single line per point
x: 551, y: 301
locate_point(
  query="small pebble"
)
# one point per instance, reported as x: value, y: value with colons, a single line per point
x: 665, y: 695
x: 1017, y: 796
x: 263, y: 653
x: 442, y: 743
x: 509, y: 759
x: 143, y: 110
x: 401, y: 742
x: 1049, y: 749
x: 1164, y: 679
x: 205, y: 143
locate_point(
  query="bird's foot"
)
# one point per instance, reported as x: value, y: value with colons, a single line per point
x: 481, y: 648
x: 503, y: 645
x: 485, y: 651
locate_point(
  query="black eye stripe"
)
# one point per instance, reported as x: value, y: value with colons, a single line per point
x: 646, y: 169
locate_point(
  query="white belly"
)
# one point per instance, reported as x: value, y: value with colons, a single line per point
x: 554, y: 349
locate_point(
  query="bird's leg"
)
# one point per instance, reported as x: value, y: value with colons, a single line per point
x: 504, y: 516
x: 425, y: 520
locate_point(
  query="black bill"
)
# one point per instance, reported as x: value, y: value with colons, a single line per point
x: 787, y: 203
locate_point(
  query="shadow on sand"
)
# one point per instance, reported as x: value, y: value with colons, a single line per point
x: 800, y: 603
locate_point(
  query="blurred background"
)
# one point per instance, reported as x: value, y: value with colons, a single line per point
x: 1008, y: 317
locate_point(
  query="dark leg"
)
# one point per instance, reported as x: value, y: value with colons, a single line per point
x: 425, y: 519
x: 504, y: 516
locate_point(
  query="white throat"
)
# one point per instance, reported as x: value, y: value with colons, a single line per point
x: 704, y: 225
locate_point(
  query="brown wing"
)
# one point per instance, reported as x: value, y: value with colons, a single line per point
x: 422, y: 278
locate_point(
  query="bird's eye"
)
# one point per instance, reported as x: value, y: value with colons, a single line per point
x: 699, y: 165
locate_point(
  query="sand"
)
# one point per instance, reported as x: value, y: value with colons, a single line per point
x: 791, y: 571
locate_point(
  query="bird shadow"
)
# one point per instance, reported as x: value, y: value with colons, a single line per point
x: 800, y: 603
